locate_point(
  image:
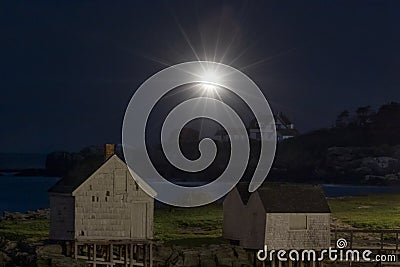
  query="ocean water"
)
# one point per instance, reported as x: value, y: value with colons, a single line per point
x: 19, y: 193
x: 30, y: 193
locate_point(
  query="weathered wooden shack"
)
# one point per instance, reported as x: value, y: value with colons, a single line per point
x: 102, y: 204
x: 280, y: 216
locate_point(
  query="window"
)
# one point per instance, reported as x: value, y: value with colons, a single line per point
x: 297, y: 222
x: 107, y: 193
x: 93, y: 198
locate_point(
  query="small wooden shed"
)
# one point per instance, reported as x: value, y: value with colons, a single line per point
x: 102, y: 203
x: 281, y: 216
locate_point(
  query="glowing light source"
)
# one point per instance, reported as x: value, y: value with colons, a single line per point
x: 211, y: 77
x: 208, y: 87
x: 210, y: 80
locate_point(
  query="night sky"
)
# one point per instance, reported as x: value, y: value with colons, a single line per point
x: 69, y: 69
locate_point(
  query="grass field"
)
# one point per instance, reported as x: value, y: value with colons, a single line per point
x: 368, y: 212
x: 30, y: 230
x: 203, y: 225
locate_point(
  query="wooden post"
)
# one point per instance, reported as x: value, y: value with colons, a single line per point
x: 381, y: 240
x: 151, y: 255
x: 335, y: 231
x: 120, y: 252
x: 273, y: 262
x: 351, y: 239
x: 76, y: 250
x: 131, y: 256
x: 144, y: 256
x: 111, y: 253
x: 94, y: 255
x: 126, y: 255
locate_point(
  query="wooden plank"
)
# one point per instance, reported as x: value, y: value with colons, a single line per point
x: 351, y: 239
x: 76, y: 250
x: 144, y: 256
x: 111, y: 252
x: 151, y: 254
x: 126, y: 255
x: 94, y: 255
x: 131, y: 255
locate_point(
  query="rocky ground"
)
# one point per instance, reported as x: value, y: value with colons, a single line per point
x: 45, y: 255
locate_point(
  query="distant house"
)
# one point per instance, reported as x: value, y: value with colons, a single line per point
x: 284, y: 128
x: 281, y: 216
x: 222, y: 135
x: 102, y: 202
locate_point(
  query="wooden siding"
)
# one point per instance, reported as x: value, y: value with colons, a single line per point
x: 279, y: 236
x: 233, y: 209
x: 111, y: 205
x: 254, y: 226
x: 61, y: 217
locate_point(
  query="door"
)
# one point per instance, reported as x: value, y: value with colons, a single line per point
x: 139, y: 220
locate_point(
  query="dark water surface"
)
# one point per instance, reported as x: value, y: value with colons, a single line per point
x: 30, y: 193
x: 24, y: 193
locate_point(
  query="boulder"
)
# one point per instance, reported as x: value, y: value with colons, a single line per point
x: 4, y: 260
x: 53, y: 249
x: 191, y: 258
x: 208, y: 263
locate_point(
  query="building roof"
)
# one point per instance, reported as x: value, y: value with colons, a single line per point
x: 243, y: 189
x: 288, y: 198
x: 84, y: 170
x: 288, y: 132
x: 78, y: 175
x: 283, y: 118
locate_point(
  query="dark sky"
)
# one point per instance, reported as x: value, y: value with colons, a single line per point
x: 69, y: 69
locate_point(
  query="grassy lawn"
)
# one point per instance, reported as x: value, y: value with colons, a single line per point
x: 29, y: 230
x: 368, y: 212
x: 203, y: 225
x: 195, y: 226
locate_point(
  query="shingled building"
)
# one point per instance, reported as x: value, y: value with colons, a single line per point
x: 280, y: 216
x: 101, y: 203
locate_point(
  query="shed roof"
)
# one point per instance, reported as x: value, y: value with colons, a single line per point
x: 78, y: 175
x: 85, y: 170
x: 243, y: 189
x: 288, y: 198
x: 288, y: 132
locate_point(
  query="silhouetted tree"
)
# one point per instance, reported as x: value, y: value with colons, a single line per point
x: 343, y: 119
x: 388, y: 115
x: 364, y: 115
